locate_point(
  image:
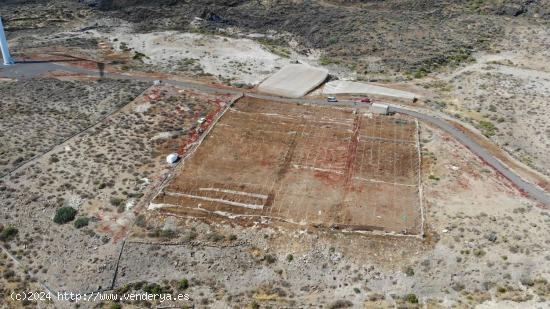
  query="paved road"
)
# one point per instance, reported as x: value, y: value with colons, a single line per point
x: 28, y: 70
x: 529, y: 188
x: 532, y: 190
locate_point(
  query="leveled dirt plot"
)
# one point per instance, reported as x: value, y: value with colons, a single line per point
x: 303, y: 164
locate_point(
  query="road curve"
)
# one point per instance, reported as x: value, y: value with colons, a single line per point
x: 531, y: 189
x: 34, y: 69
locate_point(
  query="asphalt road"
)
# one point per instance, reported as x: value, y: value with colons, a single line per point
x: 532, y: 190
x: 34, y: 69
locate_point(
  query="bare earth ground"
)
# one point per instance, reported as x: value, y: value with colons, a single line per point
x: 485, y: 243
x: 102, y: 173
x: 234, y: 60
x: 474, y: 252
x: 478, y: 249
x: 519, y: 112
x: 33, y: 118
x: 495, y: 235
x: 14, y: 279
x: 303, y: 164
x: 505, y: 93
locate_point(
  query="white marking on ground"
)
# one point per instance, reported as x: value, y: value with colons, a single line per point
x: 386, y: 182
x: 317, y: 169
x: 262, y: 196
x: 217, y: 200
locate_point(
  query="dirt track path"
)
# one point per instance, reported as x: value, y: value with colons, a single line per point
x: 34, y: 69
x: 493, y: 59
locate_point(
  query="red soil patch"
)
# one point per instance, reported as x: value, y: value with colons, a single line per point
x: 302, y: 164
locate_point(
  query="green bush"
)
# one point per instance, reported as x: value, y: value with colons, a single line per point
x: 275, y: 47
x: 183, y: 284
x: 190, y: 235
x: 479, y: 252
x: 64, y: 215
x: 290, y: 257
x: 8, y: 233
x: 333, y: 40
x: 420, y: 73
x: 215, y: 237
x: 139, y: 56
x: 116, y: 201
x: 488, y: 128
x: 81, y: 222
x: 124, y: 46
x: 155, y: 288
x: 341, y: 303
x: 411, y: 298
x: 326, y: 60
x: 141, y: 221
x: 409, y: 271
x: 160, y: 233
x: 270, y: 259
x: 115, y: 306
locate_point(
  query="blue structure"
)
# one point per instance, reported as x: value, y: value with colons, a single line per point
x: 4, y: 45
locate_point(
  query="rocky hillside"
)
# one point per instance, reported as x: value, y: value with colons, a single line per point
x: 406, y: 37
x: 371, y: 37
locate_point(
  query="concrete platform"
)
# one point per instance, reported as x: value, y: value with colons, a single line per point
x: 349, y: 87
x: 294, y: 81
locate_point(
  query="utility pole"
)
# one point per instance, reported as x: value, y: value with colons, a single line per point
x: 4, y: 45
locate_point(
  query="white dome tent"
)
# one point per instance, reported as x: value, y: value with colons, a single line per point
x: 172, y: 158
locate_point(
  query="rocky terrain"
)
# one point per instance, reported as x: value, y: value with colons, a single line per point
x: 366, y: 36
x: 86, y: 155
x: 371, y: 37
x: 504, y: 93
x: 102, y: 179
x: 37, y: 114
